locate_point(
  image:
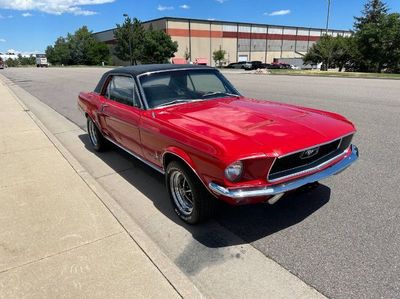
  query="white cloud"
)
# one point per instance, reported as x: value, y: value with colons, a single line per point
x: 162, y: 7
x: 55, y: 7
x: 278, y: 13
x: 2, y: 40
x: 221, y: 1
x: 184, y: 6
x: 26, y: 14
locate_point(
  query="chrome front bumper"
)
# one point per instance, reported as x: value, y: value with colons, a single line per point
x: 285, y: 187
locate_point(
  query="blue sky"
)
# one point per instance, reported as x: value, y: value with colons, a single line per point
x: 31, y: 25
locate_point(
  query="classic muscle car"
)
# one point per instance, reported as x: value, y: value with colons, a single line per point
x: 189, y: 123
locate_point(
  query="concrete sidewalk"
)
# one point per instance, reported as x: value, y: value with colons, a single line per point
x: 57, y: 239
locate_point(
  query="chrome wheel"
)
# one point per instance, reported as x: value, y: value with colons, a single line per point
x: 92, y: 133
x: 191, y: 200
x: 181, y: 192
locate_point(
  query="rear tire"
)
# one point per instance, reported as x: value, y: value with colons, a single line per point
x: 191, y: 200
x: 96, y: 138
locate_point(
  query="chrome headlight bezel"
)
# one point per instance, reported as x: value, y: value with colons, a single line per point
x: 234, y: 171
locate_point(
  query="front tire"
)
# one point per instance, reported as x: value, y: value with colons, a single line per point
x: 96, y: 138
x: 191, y: 200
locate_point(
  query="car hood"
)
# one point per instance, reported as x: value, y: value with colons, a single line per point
x: 247, y: 125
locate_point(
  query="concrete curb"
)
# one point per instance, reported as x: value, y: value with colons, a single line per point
x: 178, y: 280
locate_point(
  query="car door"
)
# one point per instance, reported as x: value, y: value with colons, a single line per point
x: 121, y: 112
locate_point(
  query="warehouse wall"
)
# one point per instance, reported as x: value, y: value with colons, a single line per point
x: 179, y: 32
x: 240, y: 41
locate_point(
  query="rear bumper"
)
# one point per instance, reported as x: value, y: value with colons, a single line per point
x: 285, y: 187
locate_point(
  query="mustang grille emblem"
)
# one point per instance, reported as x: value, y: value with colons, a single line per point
x: 309, y: 153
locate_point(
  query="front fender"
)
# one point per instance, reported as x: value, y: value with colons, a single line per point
x: 180, y: 154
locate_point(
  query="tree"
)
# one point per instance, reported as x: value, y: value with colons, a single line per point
x: 186, y: 55
x: 78, y: 48
x: 135, y: 44
x: 373, y: 12
x: 158, y: 47
x: 98, y: 53
x: 391, y: 42
x: 130, y: 38
x: 344, y: 52
x: 331, y: 51
x: 85, y: 49
x: 12, y: 62
x: 322, y: 51
x: 374, y: 46
x: 219, y: 56
x: 22, y: 60
x: 370, y: 31
x: 60, y: 53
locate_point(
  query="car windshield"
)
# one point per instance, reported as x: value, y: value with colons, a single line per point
x: 181, y: 86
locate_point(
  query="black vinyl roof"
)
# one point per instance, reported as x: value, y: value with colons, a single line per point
x: 137, y: 70
x: 145, y: 68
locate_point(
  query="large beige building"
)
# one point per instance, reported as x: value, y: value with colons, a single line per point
x: 241, y: 41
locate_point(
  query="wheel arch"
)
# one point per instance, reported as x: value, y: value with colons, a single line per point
x: 94, y: 118
x: 177, y: 154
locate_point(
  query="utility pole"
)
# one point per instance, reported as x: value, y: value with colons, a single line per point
x: 327, y: 16
x: 130, y: 40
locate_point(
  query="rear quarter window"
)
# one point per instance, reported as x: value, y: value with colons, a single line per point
x: 122, y: 89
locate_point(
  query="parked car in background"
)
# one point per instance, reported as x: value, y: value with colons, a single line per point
x: 201, y: 61
x: 211, y: 143
x: 272, y: 66
x: 295, y: 63
x: 285, y: 66
x: 236, y: 65
x: 253, y: 65
x: 277, y: 65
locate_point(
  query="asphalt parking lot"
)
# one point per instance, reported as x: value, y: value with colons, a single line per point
x: 343, y: 238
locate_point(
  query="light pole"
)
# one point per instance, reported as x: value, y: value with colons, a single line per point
x: 327, y: 16
x: 130, y: 40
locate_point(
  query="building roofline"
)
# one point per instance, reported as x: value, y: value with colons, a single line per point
x: 229, y: 22
x: 242, y: 23
x: 143, y: 22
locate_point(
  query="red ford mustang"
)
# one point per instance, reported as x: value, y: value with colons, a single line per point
x: 189, y: 123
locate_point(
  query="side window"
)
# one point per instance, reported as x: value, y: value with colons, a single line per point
x: 122, y: 89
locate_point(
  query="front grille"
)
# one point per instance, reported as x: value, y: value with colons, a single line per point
x: 308, y: 159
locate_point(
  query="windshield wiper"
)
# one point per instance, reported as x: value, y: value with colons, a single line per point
x: 176, y: 102
x: 213, y: 93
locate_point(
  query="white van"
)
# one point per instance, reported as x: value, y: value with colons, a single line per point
x: 41, y: 60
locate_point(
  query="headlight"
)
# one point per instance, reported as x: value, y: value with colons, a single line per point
x: 234, y: 171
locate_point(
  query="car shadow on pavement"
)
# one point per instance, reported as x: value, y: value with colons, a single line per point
x: 246, y: 224
x: 254, y: 222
